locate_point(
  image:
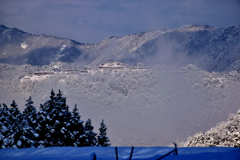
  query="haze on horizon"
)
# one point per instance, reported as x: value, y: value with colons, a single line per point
x: 90, y: 21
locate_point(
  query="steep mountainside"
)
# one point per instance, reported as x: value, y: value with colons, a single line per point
x: 212, y: 49
x: 18, y: 48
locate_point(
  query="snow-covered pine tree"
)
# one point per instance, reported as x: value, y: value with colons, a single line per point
x: 46, y: 122
x: 15, y: 111
x: 5, y: 127
x: 90, y: 135
x: 30, y: 113
x: 54, y: 118
x: 40, y: 127
x: 102, y: 137
x: 64, y: 119
x: 76, y: 129
x: 23, y: 137
x: 14, y: 119
x: 49, y: 104
x: 16, y: 132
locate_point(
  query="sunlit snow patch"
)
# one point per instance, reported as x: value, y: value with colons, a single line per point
x: 24, y: 45
x: 37, y: 76
x: 63, y: 47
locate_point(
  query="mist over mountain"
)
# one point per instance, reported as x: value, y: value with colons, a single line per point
x: 165, y: 85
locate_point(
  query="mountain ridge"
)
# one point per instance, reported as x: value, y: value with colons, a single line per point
x: 209, y: 48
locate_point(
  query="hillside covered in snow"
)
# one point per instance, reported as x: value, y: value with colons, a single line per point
x: 173, y: 83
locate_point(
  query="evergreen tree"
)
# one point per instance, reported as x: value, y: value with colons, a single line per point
x: 15, y: 111
x: 30, y: 113
x: 56, y: 118
x: 46, y: 122
x: 40, y: 130
x: 62, y: 118
x: 90, y: 135
x: 23, y: 136
x: 14, y: 119
x: 102, y: 138
x: 16, y: 132
x: 76, y: 129
x: 5, y: 127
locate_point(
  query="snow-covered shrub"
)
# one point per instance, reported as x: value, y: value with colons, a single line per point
x: 225, y: 134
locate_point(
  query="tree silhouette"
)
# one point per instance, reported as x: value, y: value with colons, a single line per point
x: 102, y: 138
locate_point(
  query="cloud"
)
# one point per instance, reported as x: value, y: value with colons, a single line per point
x: 93, y: 20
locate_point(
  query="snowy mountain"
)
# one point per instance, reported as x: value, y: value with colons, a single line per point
x: 19, y: 48
x: 209, y: 48
x: 169, y: 84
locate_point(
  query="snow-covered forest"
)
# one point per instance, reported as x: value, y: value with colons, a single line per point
x: 53, y: 125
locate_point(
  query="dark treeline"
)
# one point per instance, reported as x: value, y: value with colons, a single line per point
x: 52, y: 125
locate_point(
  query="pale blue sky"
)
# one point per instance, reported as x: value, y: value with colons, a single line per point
x: 94, y: 20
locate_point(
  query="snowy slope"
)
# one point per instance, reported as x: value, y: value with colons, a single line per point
x: 108, y: 153
x: 170, y: 102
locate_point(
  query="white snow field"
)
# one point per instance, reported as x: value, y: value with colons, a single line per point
x: 108, y: 153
